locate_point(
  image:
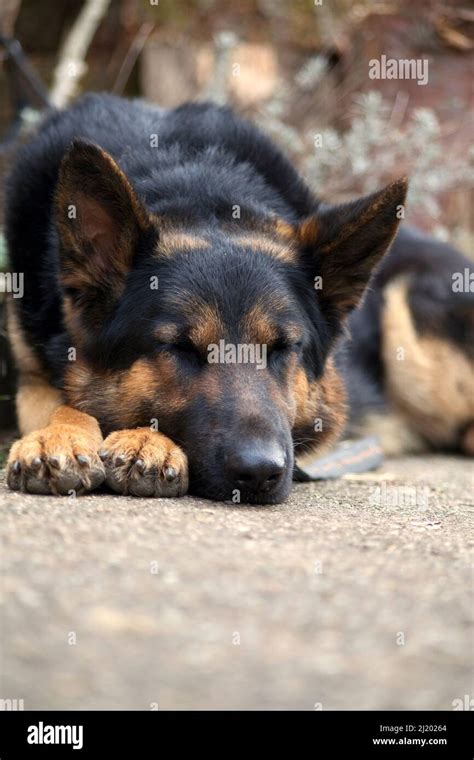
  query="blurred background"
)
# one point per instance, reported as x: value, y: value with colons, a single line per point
x: 300, y: 69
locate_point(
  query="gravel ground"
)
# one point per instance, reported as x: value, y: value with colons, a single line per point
x: 355, y: 594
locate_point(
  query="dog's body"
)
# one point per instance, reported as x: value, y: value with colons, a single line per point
x: 160, y: 235
x: 409, y: 363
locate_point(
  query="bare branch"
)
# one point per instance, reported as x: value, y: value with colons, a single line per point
x: 131, y: 58
x: 8, y: 15
x: 71, y: 66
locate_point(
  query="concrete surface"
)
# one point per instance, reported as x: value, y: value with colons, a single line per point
x: 354, y: 594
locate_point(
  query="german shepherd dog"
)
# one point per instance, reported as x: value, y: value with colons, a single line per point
x: 185, y: 298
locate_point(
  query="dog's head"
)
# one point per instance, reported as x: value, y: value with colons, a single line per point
x: 217, y: 334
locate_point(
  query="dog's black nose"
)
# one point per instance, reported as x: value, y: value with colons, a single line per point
x: 256, y: 466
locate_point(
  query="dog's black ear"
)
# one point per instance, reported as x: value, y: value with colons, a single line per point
x: 341, y: 245
x: 99, y: 220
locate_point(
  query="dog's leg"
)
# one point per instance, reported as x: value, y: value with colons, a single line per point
x: 60, y: 458
x: 59, y: 450
x: 142, y: 462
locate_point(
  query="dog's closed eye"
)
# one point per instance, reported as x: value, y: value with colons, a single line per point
x: 184, y: 350
x: 283, y: 347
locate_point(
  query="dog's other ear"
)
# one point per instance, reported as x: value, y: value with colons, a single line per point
x: 99, y: 220
x: 341, y: 245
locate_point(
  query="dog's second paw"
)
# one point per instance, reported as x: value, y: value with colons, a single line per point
x: 141, y: 462
x: 58, y: 459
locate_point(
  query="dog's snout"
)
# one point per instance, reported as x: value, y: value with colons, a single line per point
x: 257, y: 466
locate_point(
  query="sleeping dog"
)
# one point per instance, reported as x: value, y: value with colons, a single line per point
x: 187, y: 305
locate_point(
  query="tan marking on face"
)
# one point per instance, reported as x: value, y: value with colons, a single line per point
x: 212, y: 386
x: 258, y: 327
x: 282, y: 395
x: 137, y: 383
x: 292, y: 332
x: 151, y: 381
x: 90, y: 391
x: 264, y: 244
x: 429, y: 380
x: 74, y: 323
x: 321, y: 400
x: 301, y: 390
x: 72, y: 320
x: 178, y: 241
x: 208, y: 326
x: 167, y: 333
x: 119, y: 396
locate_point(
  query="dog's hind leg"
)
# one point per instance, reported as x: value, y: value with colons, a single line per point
x: 429, y: 378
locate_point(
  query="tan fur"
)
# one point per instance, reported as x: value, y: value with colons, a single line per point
x: 284, y: 229
x: 307, y: 232
x: 167, y: 333
x: 177, y: 241
x: 323, y: 399
x: 264, y: 244
x: 61, y: 457
x: 146, y: 380
x: 391, y: 428
x: 258, y: 327
x: 36, y: 399
x: 154, y: 448
x: 72, y: 320
x: 208, y: 326
x: 118, y: 396
x: 429, y: 380
x: 35, y: 403
x: 24, y: 356
x: 68, y: 432
x: 143, y: 462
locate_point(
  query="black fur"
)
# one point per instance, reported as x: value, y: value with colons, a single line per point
x: 429, y: 266
x: 208, y: 162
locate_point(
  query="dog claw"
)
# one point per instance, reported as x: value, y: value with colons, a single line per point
x: 45, y: 462
x: 144, y: 463
x: 170, y: 474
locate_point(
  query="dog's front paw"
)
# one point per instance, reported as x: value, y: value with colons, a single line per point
x: 58, y: 459
x: 142, y: 462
